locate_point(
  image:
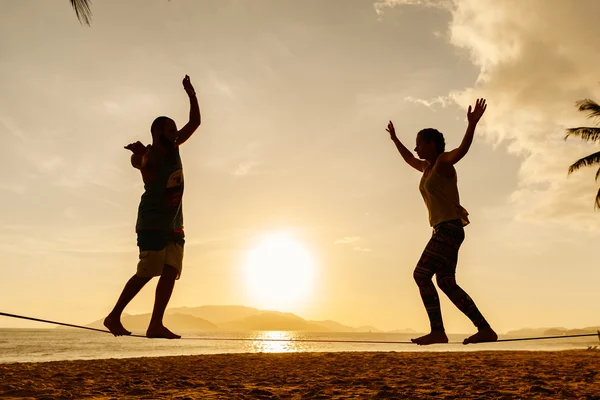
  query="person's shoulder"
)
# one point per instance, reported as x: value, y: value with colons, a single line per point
x: 150, y: 157
x: 445, y: 169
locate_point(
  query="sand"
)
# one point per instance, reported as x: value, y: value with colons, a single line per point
x: 344, y: 375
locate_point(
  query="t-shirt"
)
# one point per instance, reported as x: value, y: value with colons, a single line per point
x: 160, y: 213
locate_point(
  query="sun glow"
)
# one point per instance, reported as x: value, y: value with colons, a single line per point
x: 275, y: 342
x: 279, y: 272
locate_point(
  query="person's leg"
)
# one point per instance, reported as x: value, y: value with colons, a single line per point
x: 452, y: 236
x: 150, y: 264
x: 113, y: 321
x: 447, y: 283
x: 164, y: 289
x: 426, y: 268
x: 171, y: 271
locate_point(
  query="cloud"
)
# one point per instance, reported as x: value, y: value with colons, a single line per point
x: 32, y: 239
x: 535, y: 59
x: 243, y: 169
x: 362, y: 249
x: 443, y: 101
x: 11, y: 128
x: 220, y: 85
x: 348, y: 240
x: 381, y: 5
x: 353, y: 240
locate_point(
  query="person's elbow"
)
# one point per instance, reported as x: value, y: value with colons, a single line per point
x: 193, y: 125
x: 195, y: 122
x: 136, y: 161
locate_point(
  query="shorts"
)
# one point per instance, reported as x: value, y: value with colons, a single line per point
x: 152, y: 262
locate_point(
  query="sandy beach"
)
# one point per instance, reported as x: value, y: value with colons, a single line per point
x: 452, y: 375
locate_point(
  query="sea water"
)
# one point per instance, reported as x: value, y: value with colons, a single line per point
x: 40, y: 345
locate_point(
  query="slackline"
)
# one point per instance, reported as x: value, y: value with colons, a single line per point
x: 296, y: 340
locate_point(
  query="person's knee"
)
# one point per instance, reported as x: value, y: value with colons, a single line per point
x: 446, y: 283
x: 170, y: 272
x: 421, y: 278
x: 140, y: 280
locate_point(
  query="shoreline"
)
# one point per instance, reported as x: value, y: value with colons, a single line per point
x: 426, y: 374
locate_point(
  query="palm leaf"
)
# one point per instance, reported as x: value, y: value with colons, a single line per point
x: 586, y: 133
x: 592, y: 108
x: 82, y: 10
x: 585, y: 161
x: 597, y: 202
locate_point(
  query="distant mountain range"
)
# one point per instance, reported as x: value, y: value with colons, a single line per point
x: 528, y: 332
x: 236, y: 318
x: 241, y: 318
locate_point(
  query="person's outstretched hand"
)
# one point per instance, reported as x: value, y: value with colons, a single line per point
x: 187, y: 85
x: 475, y: 115
x: 137, y: 148
x: 391, y: 130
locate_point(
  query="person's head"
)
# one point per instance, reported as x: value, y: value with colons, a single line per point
x: 161, y: 128
x: 430, y: 144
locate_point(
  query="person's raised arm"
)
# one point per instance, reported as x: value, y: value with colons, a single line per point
x: 454, y: 156
x: 195, y: 119
x: 406, y: 154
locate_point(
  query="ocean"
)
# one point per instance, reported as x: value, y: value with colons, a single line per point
x: 41, y: 345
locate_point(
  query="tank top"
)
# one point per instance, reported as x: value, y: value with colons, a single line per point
x: 441, y: 198
x: 161, y: 206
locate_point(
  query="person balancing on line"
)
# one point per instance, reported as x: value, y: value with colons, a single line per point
x: 159, y: 226
x: 439, y: 189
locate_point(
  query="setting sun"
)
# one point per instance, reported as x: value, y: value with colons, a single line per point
x: 279, y: 272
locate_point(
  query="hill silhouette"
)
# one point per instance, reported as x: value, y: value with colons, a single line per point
x: 526, y: 332
x: 217, y: 314
x: 272, y: 321
x: 333, y: 326
x: 242, y: 318
x: 180, y: 322
x: 234, y: 318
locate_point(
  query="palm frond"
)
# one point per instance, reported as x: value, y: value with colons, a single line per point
x: 597, y: 174
x: 588, y: 134
x: 597, y: 202
x: 585, y: 161
x: 592, y: 108
x: 82, y: 10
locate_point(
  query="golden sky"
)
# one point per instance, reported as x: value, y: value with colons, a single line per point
x: 295, y: 97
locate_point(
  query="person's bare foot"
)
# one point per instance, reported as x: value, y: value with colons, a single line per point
x: 482, y: 336
x: 160, y: 332
x: 431, y: 338
x: 113, y: 324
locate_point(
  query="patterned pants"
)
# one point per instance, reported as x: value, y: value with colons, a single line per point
x: 439, y: 258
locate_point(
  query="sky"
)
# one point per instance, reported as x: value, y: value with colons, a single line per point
x: 295, y: 97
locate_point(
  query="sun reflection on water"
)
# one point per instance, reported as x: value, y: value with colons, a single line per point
x: 275, y: 342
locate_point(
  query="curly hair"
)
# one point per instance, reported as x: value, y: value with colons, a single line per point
x: 429, y: 134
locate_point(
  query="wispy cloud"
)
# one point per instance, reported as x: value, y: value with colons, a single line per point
x: 381, y: 5
x: 442, y: 101
x: 221, y: 85
x: 529, y: 56
x: 244, y: 169
x: 353, y: 241
x: 347, y: 240
x: 10, y: 127
x: 361, y: 249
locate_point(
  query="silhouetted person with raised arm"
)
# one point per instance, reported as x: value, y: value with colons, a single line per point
x: 439, y: 189
x: 159, y: 226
